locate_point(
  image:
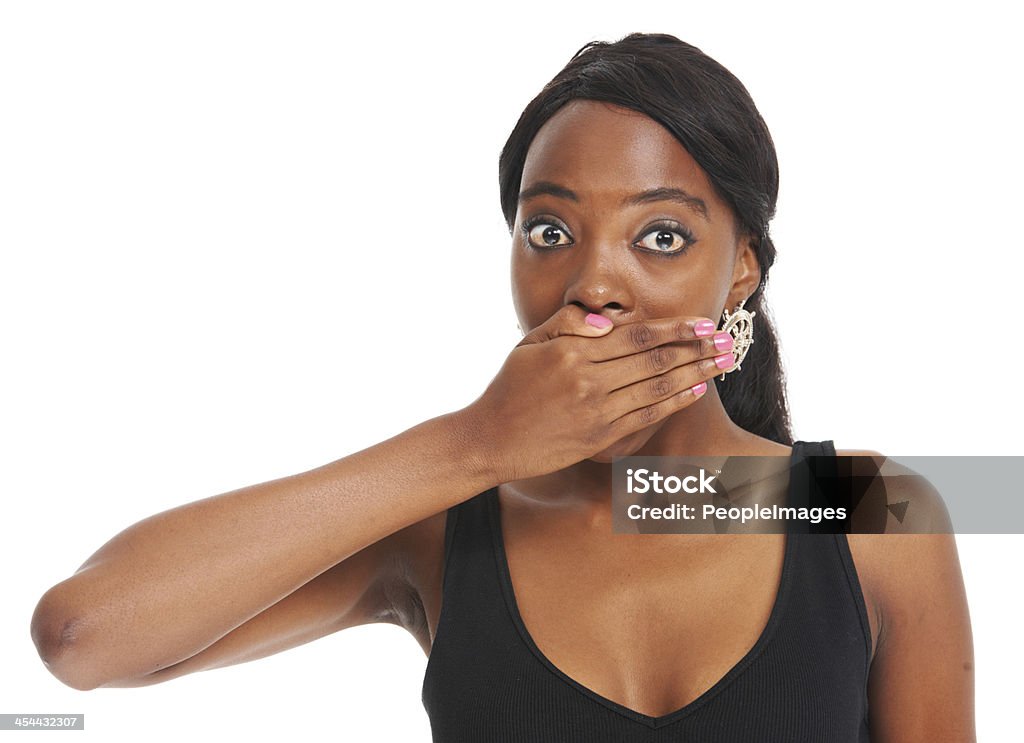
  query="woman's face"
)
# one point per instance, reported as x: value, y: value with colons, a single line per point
x: 617, y: 217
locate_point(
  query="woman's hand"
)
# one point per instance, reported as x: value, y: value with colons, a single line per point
x: 571, y: 389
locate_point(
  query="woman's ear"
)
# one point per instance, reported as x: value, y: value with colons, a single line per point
x: 746, y: 273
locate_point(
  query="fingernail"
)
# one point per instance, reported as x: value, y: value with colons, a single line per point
x: 598, y: 321
x: 700, y: 389
x: 724, y: 361
x: 703, y: 327
x: 723, y: 341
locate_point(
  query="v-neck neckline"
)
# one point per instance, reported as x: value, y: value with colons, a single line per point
x: 774, y: 618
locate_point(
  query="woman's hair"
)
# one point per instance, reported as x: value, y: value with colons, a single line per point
x: 713, y: 116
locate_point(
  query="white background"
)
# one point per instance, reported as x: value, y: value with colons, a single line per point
x: 241, y: 240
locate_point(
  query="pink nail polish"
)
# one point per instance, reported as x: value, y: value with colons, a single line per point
x: 703, y: 327
x: 598, y: 321
x: 725, y: 360
x: 700, y: 389
x: 723, y: 341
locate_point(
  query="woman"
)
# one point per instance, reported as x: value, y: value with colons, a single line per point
x: 638, y: 187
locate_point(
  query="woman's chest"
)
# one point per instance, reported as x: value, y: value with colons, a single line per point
x: 709, y: 637
x: 651, y: 622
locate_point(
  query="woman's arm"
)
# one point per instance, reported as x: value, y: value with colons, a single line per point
x: 377, y: 584
x: 921, y: 685
x: 169, y: 587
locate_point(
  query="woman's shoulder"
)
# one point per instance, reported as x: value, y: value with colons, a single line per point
x: 913, y: 504
x: 923, y: 644
x: 917, y: 550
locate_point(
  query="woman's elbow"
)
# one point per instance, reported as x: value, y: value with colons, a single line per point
x: 57, y: 634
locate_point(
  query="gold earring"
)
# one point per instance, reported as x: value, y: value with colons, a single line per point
x: 740, y: 325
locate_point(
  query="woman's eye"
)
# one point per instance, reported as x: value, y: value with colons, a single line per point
x: 663, y: 240
x: 546, y: 235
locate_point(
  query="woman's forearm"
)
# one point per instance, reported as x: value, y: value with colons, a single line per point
x: 170, y: 585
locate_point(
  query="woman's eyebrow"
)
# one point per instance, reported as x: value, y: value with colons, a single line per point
x: 677, y: 195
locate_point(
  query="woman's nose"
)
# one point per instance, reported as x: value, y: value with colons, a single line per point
x: 598, y: 282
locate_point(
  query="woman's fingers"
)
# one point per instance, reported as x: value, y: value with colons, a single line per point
x: 643, y: 335
x: 649, y: 400
x: 673, y: 360
x: 570, y: 320
x: 571, y: 388
x: 655, y: 364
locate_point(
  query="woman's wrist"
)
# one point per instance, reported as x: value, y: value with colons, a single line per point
x: 478, y: 450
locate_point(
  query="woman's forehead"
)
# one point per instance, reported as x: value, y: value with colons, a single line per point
x: 599, y: 150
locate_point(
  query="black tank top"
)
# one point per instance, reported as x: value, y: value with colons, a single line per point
x: 805, y: 679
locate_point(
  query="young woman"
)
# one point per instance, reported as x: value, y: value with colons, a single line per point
x: 638, y: 187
